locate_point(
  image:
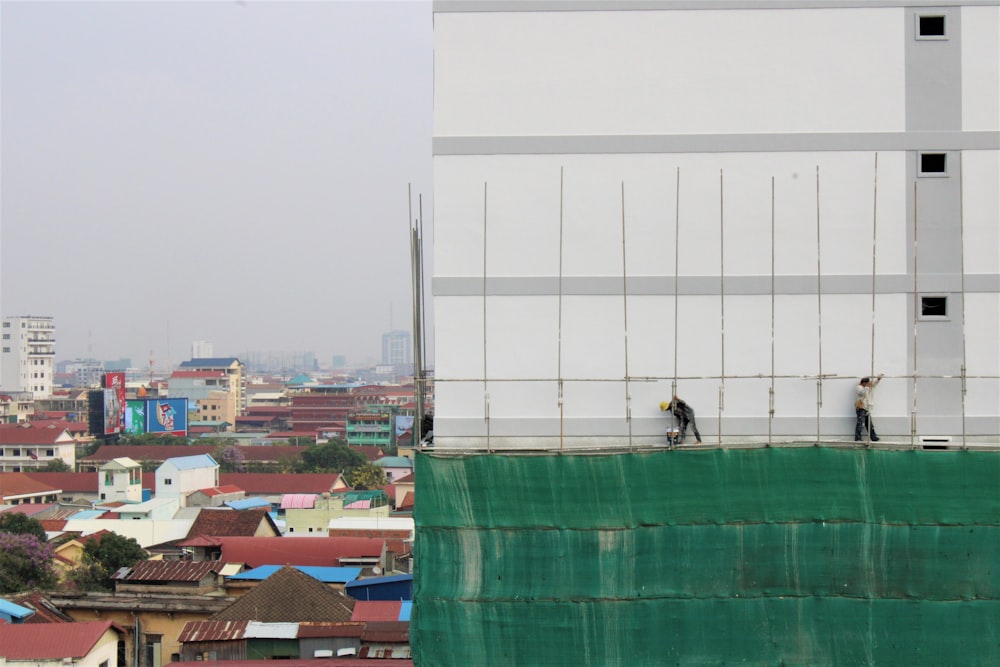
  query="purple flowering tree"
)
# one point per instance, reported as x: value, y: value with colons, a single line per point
x: 25, y: 563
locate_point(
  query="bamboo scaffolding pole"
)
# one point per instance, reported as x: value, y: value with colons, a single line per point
x: 961, y: 239
x: 677, y: 255
x: 916, y: 311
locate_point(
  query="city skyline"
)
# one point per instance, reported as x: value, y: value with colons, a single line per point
x: 229, y: 172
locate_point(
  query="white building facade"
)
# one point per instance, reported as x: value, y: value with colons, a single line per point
x: 27, y: 353
x: 748, y: 205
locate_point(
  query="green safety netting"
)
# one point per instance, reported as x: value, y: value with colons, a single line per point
x: 753, y: 556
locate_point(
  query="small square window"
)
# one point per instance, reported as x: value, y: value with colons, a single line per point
x: 935, y: 307
x: 933, y: 164
x: 931, y: 27
x: 167, y: 481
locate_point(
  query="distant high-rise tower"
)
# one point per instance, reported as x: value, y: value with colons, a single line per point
x: 26, y: 354
x: 397, y: 347
x: 202, y: 349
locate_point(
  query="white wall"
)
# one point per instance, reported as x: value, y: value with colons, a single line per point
x: 980, y: 75
x: 632, y: 72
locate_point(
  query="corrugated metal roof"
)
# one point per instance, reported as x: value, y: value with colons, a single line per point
x: 314, y: 630
x: 14, y: 610
x: 386, y: 632
x: 192, y: 462
x: 376, y: 610
x: 170, y: 570
x: 247, y: 503
x: 212, y: 631
x: 405, y: 610
x: 328, y: 575
x: 298, y: 501
x: 258, y: 630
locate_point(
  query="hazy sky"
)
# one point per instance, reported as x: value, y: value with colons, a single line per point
x: 227, y: 171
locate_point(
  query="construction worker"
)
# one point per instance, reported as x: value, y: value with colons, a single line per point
x: 684, y: 414
x: 863, y: 408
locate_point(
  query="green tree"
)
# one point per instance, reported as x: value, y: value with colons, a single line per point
x: 366, y: 477
x: 21, y: 524
x: 57, y: 465
x: 25, y: 563
x: 333, y: 456
x: 230, y: 458
x: 104, y: 556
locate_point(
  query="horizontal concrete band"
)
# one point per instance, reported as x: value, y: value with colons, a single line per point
x: 464, y: 6
x: 717, y: 143
x: 840, y: 426
x: 710, y: 285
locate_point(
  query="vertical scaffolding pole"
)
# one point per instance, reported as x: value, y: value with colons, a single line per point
x: 916, y: 311
x: 819, y: 314
x: 486, y: 391
x: 677, y: 255
x: 961, y: 238
x: 871, y: 369
x: 628, y: 394
x: 770, y: 392
x: 416, y: 266
x: 722, y: 301
x: 559, y: 326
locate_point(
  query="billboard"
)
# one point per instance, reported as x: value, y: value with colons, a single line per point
x: 135, y: 417
x: 114, y: 403
x: 168, y: 416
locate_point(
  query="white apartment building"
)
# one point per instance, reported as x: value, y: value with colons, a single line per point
x: 748, y: 204
x: 27, y: 350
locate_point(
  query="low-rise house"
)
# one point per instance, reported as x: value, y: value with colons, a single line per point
x: 243, y: 641
x: 179, y: 476
x: 405, y: 487
x: 387, y: 639
x: 310, y: 513
x: 233, y: 523
x: 60, y: 644
x: 83, y: 487
x: 16, y: 406
x: 289, y: 596
x: 17, y: 488
x: 158, y: 618
x: 169, y: 576
x: 395, y: 467
x: 42, y: 610
x: 255, y: 457
x: 120, y: 480
x: 216, y: 496
x: 28, y: 447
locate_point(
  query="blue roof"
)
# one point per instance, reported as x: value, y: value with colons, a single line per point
x: 247, y: 503
x: 375, y: 581
x: 14, y: 610
x: 87, y: 514
x: 209, y: 362
x: 328, y: 575
x: 394, y: 462
x: 192, y: 462
x: 405, y: 610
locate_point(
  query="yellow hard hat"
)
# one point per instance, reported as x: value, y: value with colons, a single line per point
x: 664, y: 405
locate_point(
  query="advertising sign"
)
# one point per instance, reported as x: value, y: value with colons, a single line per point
x: 135, y: 417
x: 403, y: 424
x: 168, y: 416
x: 114, y: 403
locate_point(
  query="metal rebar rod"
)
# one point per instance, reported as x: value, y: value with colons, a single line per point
x: 628, y: 396
x: 819, y: 312
x: 559, y: 325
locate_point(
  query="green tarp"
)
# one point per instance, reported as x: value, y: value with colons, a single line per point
x: 813, y: 556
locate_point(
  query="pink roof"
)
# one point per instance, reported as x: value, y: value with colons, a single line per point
x: 298, y: 501
x: 376, y: 610
x: 52, y: 641
x: 323, y: 551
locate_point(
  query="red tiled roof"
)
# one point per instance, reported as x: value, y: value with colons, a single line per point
x: 19, y: 484
x: 323, y: 551
x: 19, y: 434
x: 376, y: 610
x: 72, y: 427
x: 261, y: 453
x: 81, y: 482
x: 53, y: 525
x: 408, y: 479
x: 407, y: 502
x: 222, y: 523
x: 371, y: 453
x: 267, y: 483
x: 52, y: 641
